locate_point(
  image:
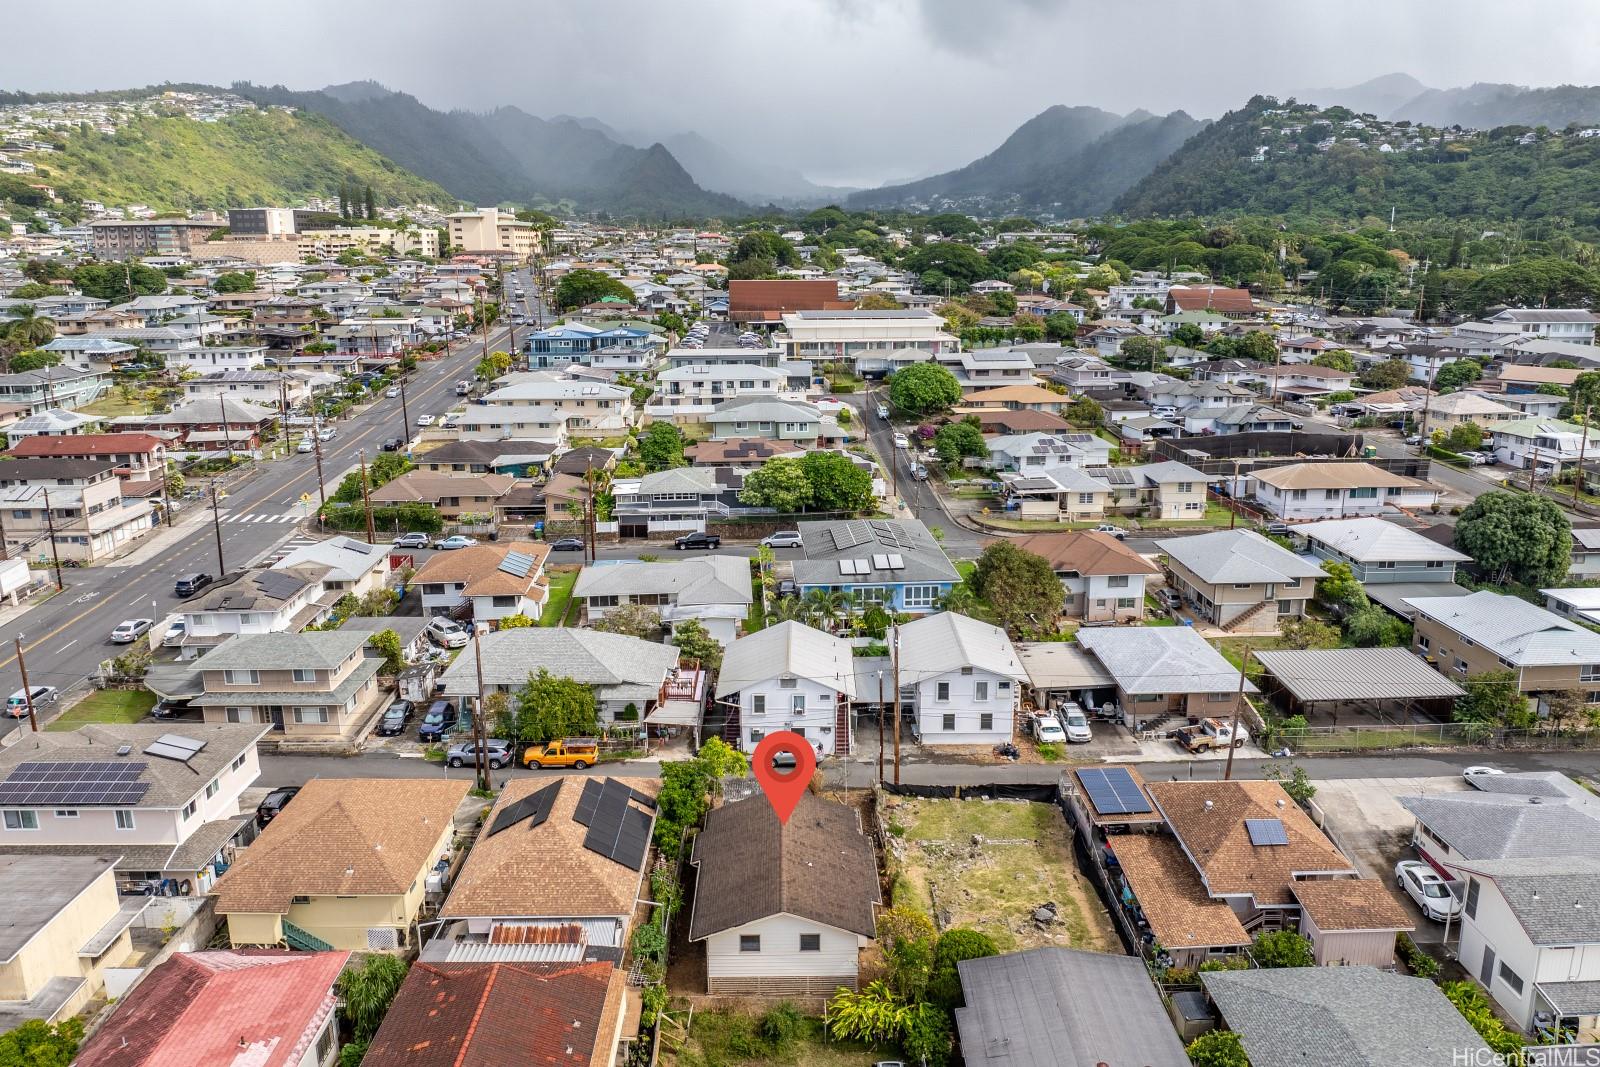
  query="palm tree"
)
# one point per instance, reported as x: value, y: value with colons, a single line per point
x: 960, y: 599
x: 26, y: 331
x: 789, y: 609
x: 816, y: 603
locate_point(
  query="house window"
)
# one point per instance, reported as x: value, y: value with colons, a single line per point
x: 212, y: 787
x: 1285, y: 607
x: 1461, y: 666
x: 949, y: 721
x: 302, y: 675
x: 1185, y: 487
x: 237, y: 762
x: 756, y: 736
x: 810, y: 942
x: 788, y: 683
x: 22, y: 820
x: 241, y: 677
x: 1218, y: 698
x: 66, y: 813
x: 986, y: 721
x: 124, y: 819
x: 758, y: 704
x: 1511, y: 978
x: 1117, y: 581
x: 602, y: 602
x: 749, y: 942
x: 797, y: 703
x: 1241, y: 585
x: 240, y: 714
x: 1086, y: 498
x: 920, y: 596
x: 1589, y: 672
x: 941, y: 691
x: 1471, y: 907
x: 980, y: 690
x: 305, y: 715
x: 190, y: 808
x: 1126, y: 602
x: 1364, y: 493
x: 1422, y: 642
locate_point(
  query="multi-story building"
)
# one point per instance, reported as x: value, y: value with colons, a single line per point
x: 138, y: 457
x: 706, y: 386
x: 789, y: 677
x: 1298, y: 491
x: 1465, y: 636
x: 1239, y: 580
x: 585, y: 407
x: 865, y: 339
x: 130, y: 238
x: 1559, y: 324
x: 309, y: 685
x: 261, y: 221
x: 489, y: 229
x: 75, y: 505
x: 961, y: 678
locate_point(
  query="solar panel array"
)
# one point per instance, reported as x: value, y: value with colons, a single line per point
x: 617, y: 830
x: 75, y: 782
x: 1267, y: 831
x: 1113, y: 791
x: 517, y: 563
x: 175, y: 746
x: 279, y: 585
x: 535, y: 808
x: 586, y: 802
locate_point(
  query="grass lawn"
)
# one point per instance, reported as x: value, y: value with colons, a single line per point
x: 757, y: 618
x: 108, y: 706
x: 1024, y: 861
x: 733, y: 1038
x: 111, y: 406
x: 562, y: 579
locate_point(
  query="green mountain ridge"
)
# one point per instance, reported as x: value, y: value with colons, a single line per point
x: 1507, y: 173
x: 260, y: 157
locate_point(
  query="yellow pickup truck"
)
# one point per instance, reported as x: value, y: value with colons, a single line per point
x: 579, y: 752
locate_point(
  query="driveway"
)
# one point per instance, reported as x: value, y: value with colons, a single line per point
x: 1366, y: 821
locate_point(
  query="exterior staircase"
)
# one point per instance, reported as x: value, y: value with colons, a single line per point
x: 304, y: 940
x: 1234, y: 624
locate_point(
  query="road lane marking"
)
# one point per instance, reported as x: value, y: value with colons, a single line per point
x: 66, y: 646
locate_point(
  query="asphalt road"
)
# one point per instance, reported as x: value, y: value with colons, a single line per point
x: 65, y: 638
x: 297, y: 770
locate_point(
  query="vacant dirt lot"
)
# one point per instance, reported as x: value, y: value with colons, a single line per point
x: 989, y: 864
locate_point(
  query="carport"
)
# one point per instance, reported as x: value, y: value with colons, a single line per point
x: 1059, y: 671
x: 1391, y: 685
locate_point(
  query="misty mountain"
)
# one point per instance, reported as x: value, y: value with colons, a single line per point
x: 747, y: 176
x: 509, y: 155
x: 1066, y: 160
x: 589, y: 122
x: 1378, y: 96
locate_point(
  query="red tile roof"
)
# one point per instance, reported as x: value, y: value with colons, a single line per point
x: 84, y: 444
x: 262, y: 1006
x: 494, y: 1014
x: 1211, y: 298
x: 760, y: 297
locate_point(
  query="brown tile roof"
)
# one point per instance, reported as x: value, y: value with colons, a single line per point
x: 1023, y: 421
x: 578, y: 460
x: 1172, y: 896
x: 1211, y: 298
x: 818, y: 865
x: 85, y: 444
x: 1351, y: 904
x: 748, y: 297
x: 510, y: 874
x: 738, y: 449
x: 562, y: 488
x: 477, y: 564
x: 433, y: 486
x: 1019, y: 394
x: 1332, y: 476
x: 495, y: 1014
x: 1217, y: 840
x: 342, y: 836
x: 1087, y: 552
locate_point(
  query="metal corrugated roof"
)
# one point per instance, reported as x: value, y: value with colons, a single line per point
x: 1352, y: 674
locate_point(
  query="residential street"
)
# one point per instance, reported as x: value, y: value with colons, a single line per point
x: 66, y: 637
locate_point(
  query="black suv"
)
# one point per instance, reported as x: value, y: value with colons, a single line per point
x: 437, y: 722
x: 274, y: 803
x: 395, y: 719
x: 698, y: 540
x: 190, y: 584
x: 392, y: 444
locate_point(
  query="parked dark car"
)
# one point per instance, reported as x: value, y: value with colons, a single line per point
x: 274, y: 803
x: 788, y: 587
x: 698, y: 540
x: 437, y: 722
x: 392, y: 444
x: 395, y: 719
x: 567, y: 544
x: 190, y: 584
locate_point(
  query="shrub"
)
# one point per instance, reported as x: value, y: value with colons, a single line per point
x: 1417, y: 961
x: 781, y: 1026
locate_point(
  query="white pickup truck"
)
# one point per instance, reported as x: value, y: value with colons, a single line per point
x: 1210, y: 733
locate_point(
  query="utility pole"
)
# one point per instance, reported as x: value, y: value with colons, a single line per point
x: 1233, y: 727
x: 6, y: 555
x: 322, y: 493
x: 366, y: 497
x: 216, y: 527
x: 1577, y: 482
x: 478, y: 726
x: 895, y: 652
x: 27, y: 691
x: 55, y: 553
x: 283, y: 411
x: 1427, y: 398
x: 880, y: 726
x: 405, y: 412
x: 227, y: 438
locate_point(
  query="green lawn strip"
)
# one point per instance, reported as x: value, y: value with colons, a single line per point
x: 107, y: 706
x: 555, y: 608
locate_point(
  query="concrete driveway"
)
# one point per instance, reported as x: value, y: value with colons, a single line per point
x: 1366, y: 821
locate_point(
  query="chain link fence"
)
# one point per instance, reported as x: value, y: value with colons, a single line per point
x: 1431, y: 735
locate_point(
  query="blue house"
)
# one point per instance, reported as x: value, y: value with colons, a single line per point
x: 574, y: 342
x: 897, y: 564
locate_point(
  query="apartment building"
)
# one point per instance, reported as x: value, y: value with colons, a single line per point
x: 865, y: 339
x: 307, y: 686
x: 1464, y: 636
x: 489, y: 229
x: 76, y: 504
x: 584, y: 407
x: 131, y: 238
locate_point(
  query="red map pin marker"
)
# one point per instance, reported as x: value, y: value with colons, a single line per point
x: 784, y: 785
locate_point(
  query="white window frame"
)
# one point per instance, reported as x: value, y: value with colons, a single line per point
x: 21, y: 819
x: 125, y: 819
x: 231, y: 677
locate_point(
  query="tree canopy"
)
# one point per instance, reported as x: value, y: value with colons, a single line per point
x: 661, y: 447
x: 549, y: 707
x: 584, y: 286
x: 1020, y: 587
x: 924, y: 389
x: 1523, y: 536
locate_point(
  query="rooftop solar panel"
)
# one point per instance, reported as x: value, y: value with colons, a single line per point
x: 517, y: 563
x: 535, y: 808
x: 587, y: 801
x: 1267, y: 831
x: 1113, y: 791
x: 175, y: 746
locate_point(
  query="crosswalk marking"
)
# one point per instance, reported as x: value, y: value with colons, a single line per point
x: 263, y: 516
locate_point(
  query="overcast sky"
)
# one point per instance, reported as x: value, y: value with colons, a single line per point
x: 848, y: 91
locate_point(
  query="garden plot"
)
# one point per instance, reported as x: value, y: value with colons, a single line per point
x: 1004, y: 867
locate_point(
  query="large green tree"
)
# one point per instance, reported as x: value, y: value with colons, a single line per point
x: 584, y: 286
x: 695, y: 642
x: 549, y: 707
x: 119, y: 282
x: 924, y: 389
x: 1524, y: 536
x: 365, y: 990
x: 235, y: 281
x: 661, y: 447
x: 957, y: 440
x: 1020, y: 587
x: 780, y: 484
x: 1493, y: 698
x: 37, y: 1043
x: 837, y: 482
x: 1217, y: 1048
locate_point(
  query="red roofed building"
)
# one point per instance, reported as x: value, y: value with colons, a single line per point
x: 763, y: 300
x: 1233, y: 303
x: 139, y: 456
x: 264, y: 1008
x: 496, y: 1014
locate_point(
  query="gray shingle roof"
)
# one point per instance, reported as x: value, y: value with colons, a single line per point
x: 828, y: 542
x: 1229, y: 556
x: 172, y: 783
x: 283, y: 652
x: 1161, y: 659
x: 1061, y: 1007
x: 1372, y: 540
x: 701, y: 580
x: 1513, y: 629
x: 1489, y: 826
x: 1555, y: 898
x: 947, y: 641
x: 1354, y: 1016
x: 617, y: 666
x: 789, y: 648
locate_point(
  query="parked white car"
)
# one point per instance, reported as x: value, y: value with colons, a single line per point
x: 1424, y: 886
x: 1077, y: 724
x: 447, y: 633
x: 130, y: 630
x: 1046, y: 729
x: 900, y: 441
